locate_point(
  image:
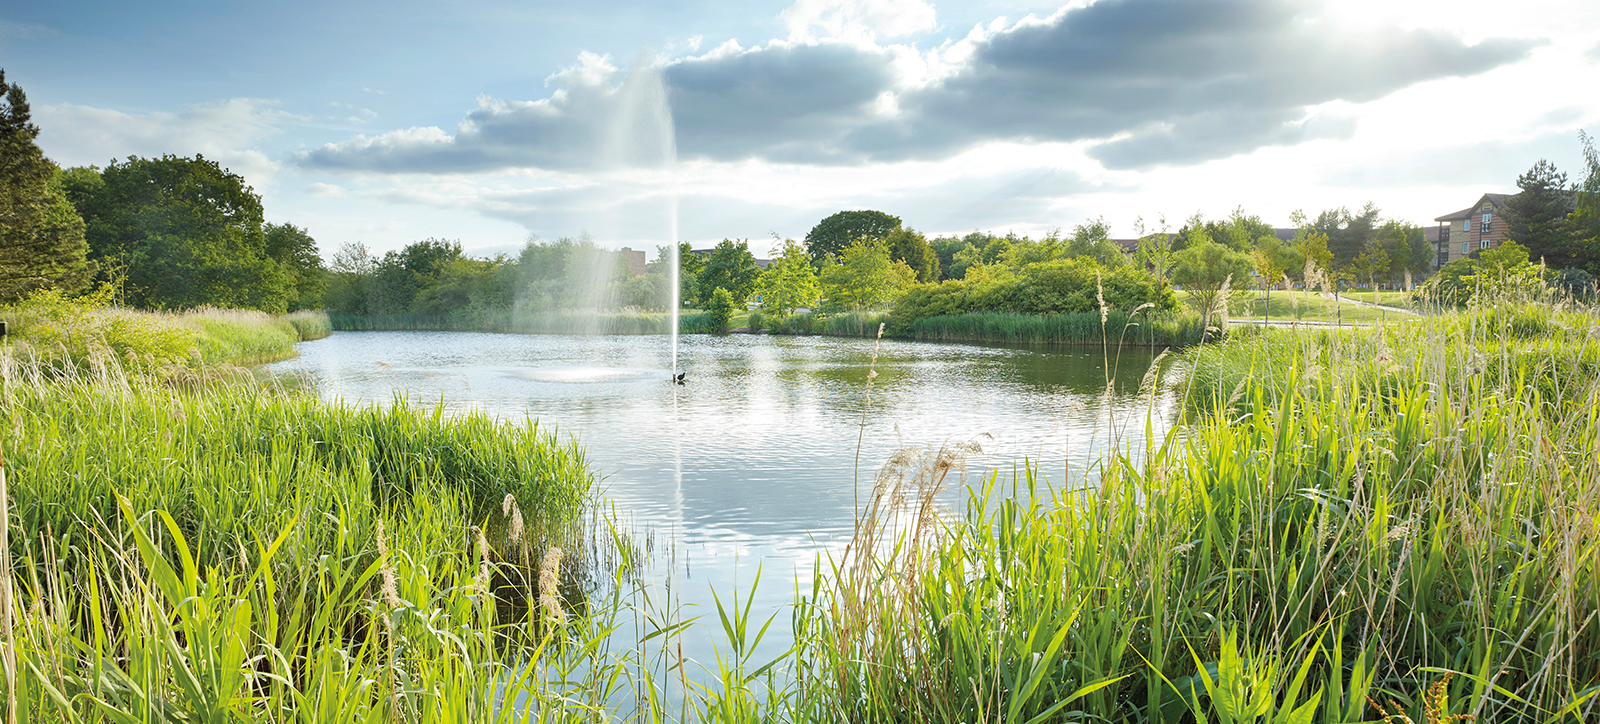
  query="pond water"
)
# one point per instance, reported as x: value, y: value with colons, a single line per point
x: 752, y: 463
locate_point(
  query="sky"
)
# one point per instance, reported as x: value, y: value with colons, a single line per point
x: 384, y: 123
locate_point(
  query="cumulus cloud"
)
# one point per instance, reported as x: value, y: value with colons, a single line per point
x: 1152, y: 82
x: 332, y: 191
x: 857, y: 20
x: 226, y: 132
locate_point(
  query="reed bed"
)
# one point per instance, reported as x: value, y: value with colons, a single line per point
x: 63, y: 333
x: 1398, y: 521
x: 1116, y: 329
x: 231, y: 551
x: 575, y: 322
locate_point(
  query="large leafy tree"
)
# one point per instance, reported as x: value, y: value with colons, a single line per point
x: 181, y: 232
x: 865, y: 277
x: 1348, y: 232
x: 789, y: 282
x: 1207, y: 270
x: 912, y: 248
x: 1537, y: 216
x: 296, y: 254
x: 731, y: 267
x: 831, y: 236
x: 41, y: 235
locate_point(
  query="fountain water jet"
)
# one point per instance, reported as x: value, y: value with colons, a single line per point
x: 643, y: 136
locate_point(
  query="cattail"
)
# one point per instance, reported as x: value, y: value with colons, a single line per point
x: 549, y: 576
x: 511, y: 510
x: 391, y: 589
x: 482, y: 582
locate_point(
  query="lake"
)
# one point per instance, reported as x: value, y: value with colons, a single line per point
x: 752, y: 463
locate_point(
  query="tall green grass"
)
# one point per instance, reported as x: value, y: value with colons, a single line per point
x: 531, y: 323
x: 65, y: 333
x: 1357, y: 518
x: 1117, y: 329
x: 241, y: 552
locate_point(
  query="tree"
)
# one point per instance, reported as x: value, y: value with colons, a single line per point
x: 946, y: 247
x: 912, y: 248
x: 1584, y: 224
x: 865, y: 277
x: 1093, y: 241
x: 296, y: 254
x: 831, y: 236
x: 1347, y: 233
x: 182, y: 232
x: 731, y: 267
x: 41, y: 234
x: 1204, y: 270
x: 1537, y: 215
x: 789, y: 282
x: 1372, y: 261
x: 720, y: 307
x: 349, y: 278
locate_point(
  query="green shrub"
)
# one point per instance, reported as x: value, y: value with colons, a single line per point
x: 720, y: 309
x: 757, y: 320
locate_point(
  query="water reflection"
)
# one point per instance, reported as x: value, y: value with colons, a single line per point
x: 753, y: 462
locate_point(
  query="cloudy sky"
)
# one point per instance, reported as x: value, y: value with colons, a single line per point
x: 389, y: 122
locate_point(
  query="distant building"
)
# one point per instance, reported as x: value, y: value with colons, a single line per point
x: 760, y: 263
x: 634, y: 259
x: 1475, y: 228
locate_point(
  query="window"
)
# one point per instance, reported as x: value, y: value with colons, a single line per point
x: 1466, y: 248
x: 1466, y: 225
x: 1483, y: 243
x: 1485, y: 228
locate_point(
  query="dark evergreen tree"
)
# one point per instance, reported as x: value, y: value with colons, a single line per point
x: 41, y: 235
x: 1537, y: 216
x: 831, y: 236
x: 1349, y: 234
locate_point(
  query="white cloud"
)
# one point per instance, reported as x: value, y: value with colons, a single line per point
x: 857, y: 20
x: 228, y: 132
x: 332, y: 191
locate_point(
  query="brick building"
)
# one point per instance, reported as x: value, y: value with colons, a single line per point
x: 1477, y: 227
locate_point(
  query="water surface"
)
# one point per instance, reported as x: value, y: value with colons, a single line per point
x: 753, y: 462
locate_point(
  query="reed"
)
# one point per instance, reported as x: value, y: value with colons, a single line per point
x: 1397, y: 515
x: 1119, y: 329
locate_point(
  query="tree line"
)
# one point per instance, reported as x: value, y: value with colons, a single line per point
x: 179, y: 232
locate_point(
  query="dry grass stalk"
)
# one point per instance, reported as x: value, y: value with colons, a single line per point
x: 10, y: 654
x: 549, y: 580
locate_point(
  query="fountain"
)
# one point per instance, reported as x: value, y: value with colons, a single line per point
x: 643, y: 137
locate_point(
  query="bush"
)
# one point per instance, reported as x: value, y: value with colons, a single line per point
x: 720, y: 309
x: 1063, y: 286
x: 757, y: 320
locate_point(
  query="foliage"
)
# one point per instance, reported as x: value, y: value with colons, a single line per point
x: 1536, y: 216
x: 1119, y: 328
x: 41, y: 235
x: 721, y: 309
x: 906, y: 245
x: 1065, y: 286
x: 1206, y: 270
x: 731, y: 266
x: 789, y: 282
x: 67, y: 334
x: 179, y: 233
x: 296, y: 254
x: 1156, y: 251
x: 1348, y: 233
x: 830, y: 237
x: 864, y: 277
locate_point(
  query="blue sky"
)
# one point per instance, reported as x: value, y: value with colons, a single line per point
x: 385, y: 123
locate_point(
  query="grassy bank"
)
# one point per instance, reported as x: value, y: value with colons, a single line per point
x: 1117, y: 329
x: 1404, y: 517
x: 238, y: 552
x: 66, y: 333
x: 541, y: 323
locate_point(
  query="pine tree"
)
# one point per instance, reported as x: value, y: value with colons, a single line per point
x: 1537, y: 216
x: 41, y: 234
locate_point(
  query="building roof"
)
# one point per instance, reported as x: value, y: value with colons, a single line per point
x: 1496, y: 201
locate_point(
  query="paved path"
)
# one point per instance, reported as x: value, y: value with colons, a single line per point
x: 1359, y: 303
